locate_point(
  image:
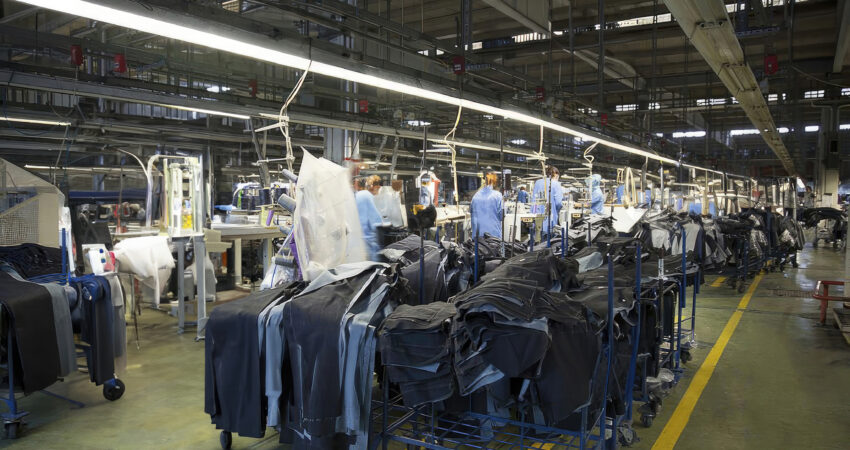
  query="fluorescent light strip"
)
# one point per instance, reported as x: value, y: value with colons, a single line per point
x: 35, y: 121
x: 210, y: 112
x: 163, y: 28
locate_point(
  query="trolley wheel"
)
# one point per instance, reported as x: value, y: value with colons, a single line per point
x: 741, y: 286
x: 686, y: 356
x: 225, y: 439
x: 815, y: 244
x: 113, y: 390
x: 794, y: 264
x: 13, y: 429
x: 646, y: 420
x: 782, y: 267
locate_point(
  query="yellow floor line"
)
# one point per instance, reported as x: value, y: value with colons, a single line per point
x: 671, y: 432
x: 718, y: 282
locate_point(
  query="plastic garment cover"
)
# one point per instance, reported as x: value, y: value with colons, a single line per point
x: 486, y: 209
x: 370, y: 220
x: 326, y: 224
x: 621, y: 191
x: 388, y: 202
x: 147, y: 257
x: 626, y: 218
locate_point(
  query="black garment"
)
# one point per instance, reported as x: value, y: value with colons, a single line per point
x: 31, y: 260
x: 29, y: 311
x: 414, y: 343
x: 568, y: 372
x: 98, y: 326
x: 234, y: 373
x: 317, y: 343
x: 435, y: 288
x: 551, y: 272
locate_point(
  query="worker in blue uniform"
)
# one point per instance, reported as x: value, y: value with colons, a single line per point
x: 621, y: 192
x: 597, y: 198
x: 486, y: 208
x: 425, y: 193
x: 370, y: 217
x: 549, y: 187
x: 522, y: 195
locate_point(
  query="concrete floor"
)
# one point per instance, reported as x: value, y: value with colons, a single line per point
x: 782, y: 382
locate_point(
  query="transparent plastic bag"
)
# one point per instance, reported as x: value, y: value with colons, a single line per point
x: 326, y: 224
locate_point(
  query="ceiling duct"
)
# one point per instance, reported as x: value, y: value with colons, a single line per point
x: 707, y: 26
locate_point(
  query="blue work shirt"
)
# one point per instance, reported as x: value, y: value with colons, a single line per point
x: 486, y: 210
x: 621, y: 191
x: 522, y: 196
x: 370, y: 220
x: 425, y: 196
x: 556, y: 198
x: 696, y: 208
x: 597, y: 198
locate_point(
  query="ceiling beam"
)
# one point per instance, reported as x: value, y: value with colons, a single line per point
x: 521, y: 11
x: 843, y: 42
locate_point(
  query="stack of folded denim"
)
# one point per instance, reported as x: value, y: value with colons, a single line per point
x: 502, y: 330
x: 415, y: 348
x: 543, y: 267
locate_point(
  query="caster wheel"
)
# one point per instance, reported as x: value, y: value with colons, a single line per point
x: 795, y: 265
x: 646, y: 420
x: 226, y: 440
x: 815, y: 245
x: 13, y: 430
x: 686, y: 356
x: 113, y: 390
x: 782, y: 268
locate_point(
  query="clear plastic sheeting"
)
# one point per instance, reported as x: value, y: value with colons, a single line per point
x: 326, y: 225
x: 625, y: 218
x: 388, y: 202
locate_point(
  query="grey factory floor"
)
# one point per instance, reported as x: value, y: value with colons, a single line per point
x: 782, y: 381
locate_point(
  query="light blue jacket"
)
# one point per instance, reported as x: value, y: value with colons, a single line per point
x: 556, y: 199
x: 486, y: 210
x: 370, y: 220
x: 597, y: 198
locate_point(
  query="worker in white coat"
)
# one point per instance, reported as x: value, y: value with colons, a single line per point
x: 486, y: 209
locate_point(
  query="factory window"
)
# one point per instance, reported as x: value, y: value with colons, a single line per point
x: 743, y: 132
x: 688, y: 134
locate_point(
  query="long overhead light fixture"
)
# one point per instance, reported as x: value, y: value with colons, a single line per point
x: 257, y: 49
x: 35, y: 121
x: 209, y: 112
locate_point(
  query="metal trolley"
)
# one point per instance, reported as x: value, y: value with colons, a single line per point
x: 425, y: 427
x: 113, y: 389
